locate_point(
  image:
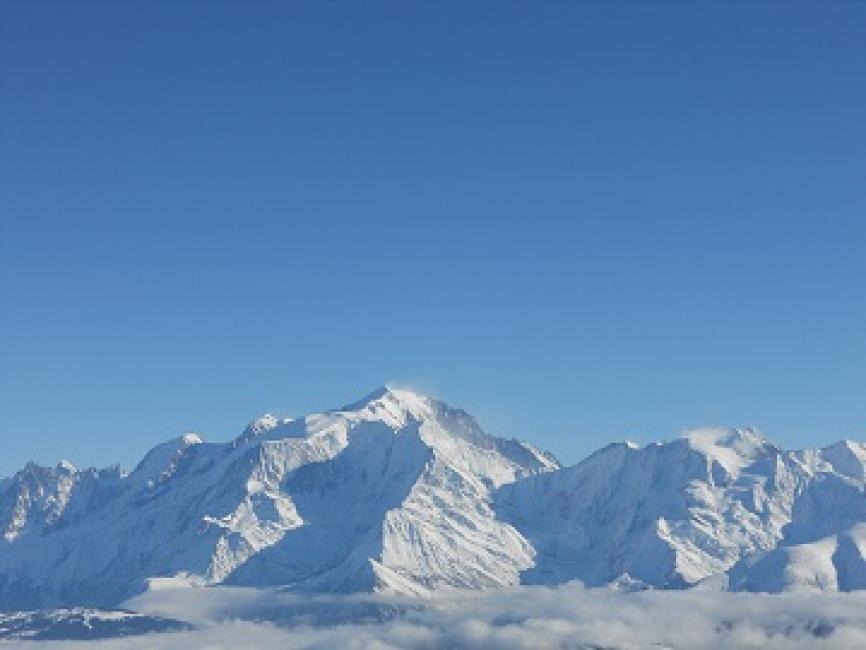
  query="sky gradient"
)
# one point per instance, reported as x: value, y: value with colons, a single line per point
x: 582, y: 222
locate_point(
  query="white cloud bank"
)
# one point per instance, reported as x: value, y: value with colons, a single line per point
x: 527, y: 617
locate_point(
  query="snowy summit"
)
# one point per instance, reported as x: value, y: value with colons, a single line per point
x: 401, y: 493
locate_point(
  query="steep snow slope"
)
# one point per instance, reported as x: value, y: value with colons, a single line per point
x: 833, y: 563
x: 673, y: 514
x: 390, y: 494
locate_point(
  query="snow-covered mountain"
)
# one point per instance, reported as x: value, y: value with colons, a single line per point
x: 677, y: 514
x: 393, y: 493
x: 401, y: 493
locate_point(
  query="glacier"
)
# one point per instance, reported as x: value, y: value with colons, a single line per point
x: 399, y: 493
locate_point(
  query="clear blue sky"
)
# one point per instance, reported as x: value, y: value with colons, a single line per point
x: 582, y: 222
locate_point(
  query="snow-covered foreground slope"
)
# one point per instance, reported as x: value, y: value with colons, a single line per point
x: 400, y: 493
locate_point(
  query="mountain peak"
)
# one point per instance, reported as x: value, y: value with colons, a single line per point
x: 262, y: 424
x: 733, y: 449
x: 161, y: 461
x: 386, y: 392
x: 393, y: 404
x: 372, y: 396
x: 847, y: 458
x: 723, y: 436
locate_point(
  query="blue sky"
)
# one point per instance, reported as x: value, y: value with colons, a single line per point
x: 582, y: 221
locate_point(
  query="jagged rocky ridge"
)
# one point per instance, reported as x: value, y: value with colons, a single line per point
x: 402, y: 493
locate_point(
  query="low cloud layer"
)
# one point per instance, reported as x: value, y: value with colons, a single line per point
x: 527, y: 617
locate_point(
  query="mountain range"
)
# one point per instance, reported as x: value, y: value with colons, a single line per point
x: 401, y: 493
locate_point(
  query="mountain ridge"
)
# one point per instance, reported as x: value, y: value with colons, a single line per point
x: 402, y: 493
